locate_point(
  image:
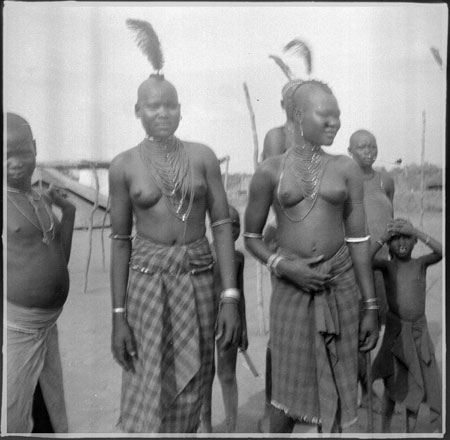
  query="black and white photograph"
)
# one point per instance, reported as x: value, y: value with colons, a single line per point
x: 224, y: 219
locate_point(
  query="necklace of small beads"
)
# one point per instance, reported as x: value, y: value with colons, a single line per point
x: 33, y: 196
x: 170, y: 169
x: 307, y: 166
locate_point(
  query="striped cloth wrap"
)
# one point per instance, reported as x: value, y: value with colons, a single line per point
x: 314, y: 342
x: 171, y: 310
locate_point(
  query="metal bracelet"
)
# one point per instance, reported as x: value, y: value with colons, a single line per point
x: 231, y: 293
x: 118, y: 310
x: 120, y: 237
x: 221, y: 222
x: 252, y: 235
x: 356, y: 239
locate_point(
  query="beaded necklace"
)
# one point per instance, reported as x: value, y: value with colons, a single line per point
x: 170, y: 169
x: 33, y: 197
x: 307, y: 166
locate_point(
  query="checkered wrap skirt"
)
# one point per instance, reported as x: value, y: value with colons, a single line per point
x: 171, y: 310
x: 407, y: 364
x: 314, y: 343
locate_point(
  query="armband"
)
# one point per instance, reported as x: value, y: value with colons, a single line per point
x: 356, y: 239
x: 252, y: 235
x: 221, y: 222
x: 118, y: 310
x: 120, y: 237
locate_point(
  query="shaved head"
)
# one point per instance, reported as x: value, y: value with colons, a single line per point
x: 18, y: 130
x: 304, y: 93
x: 359, y: 135
x: 152, y: 83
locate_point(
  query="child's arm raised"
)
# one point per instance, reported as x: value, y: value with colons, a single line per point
x: 379, y: 263
x: 434, y: 245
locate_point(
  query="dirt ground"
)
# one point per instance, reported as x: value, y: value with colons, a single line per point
x: 92, y: 378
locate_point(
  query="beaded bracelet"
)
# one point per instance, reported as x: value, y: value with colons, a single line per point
x: 252, y: 235
x: 221, y: 222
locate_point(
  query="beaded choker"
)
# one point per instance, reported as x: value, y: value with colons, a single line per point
x: 169, y: 167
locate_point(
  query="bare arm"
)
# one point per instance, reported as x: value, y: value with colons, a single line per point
x: 228, y: 320
x: 355, y: 226
x: 240, y: 285
x: 389, y: 187
x: 123, y: 345
x: 58, y: 198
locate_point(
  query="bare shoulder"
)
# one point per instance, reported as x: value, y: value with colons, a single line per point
x: 124, y: 163
x: 200, y: 152
x: 345, y: 164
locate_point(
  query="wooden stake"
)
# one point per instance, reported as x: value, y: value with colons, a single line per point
x: 259, y: 272
x: 369, y: 393
x: 91, y: 226
x: 422, y: 175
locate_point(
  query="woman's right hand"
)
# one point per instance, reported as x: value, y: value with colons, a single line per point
x: 299, y: 271
x: 123, y: 344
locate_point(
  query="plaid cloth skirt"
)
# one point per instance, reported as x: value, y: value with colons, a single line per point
x: 314, y: 344
x: 172, y: 310
x: 407, y: 363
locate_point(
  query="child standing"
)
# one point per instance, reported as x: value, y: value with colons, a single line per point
x: 406, y: 360
x: 38, y: 250
x: 226, y: 360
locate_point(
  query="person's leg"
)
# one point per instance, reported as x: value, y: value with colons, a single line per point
x: 280, y: 422
x: 41, y: 419
x: 51, y: 382
x: 226, y: 372
x: 411, y: 419
x: 263, y: 423
x: 24, y: 364
x: 205, y: 415
x: 387, y: 410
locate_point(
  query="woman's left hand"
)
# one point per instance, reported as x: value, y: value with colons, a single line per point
x: 368, y: 330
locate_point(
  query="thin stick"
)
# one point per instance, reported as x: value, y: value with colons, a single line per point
x: 259, y: 273
x: 422, y: 175
x: 369, y: 393
x: 91, y: 225
x: 252, y: 120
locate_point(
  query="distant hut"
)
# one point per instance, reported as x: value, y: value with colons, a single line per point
x: 82, y: 196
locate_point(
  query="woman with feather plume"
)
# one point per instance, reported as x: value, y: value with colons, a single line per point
x: 322, y: 259
x: 164, y: 307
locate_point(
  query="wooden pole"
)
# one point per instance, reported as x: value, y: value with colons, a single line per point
x: 91, y: 226
x: 259, y: 272
x: 422, y: 174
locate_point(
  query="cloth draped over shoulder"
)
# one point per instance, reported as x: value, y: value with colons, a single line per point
x: 171, y: 310
x: 407, y: 363
x: 314, y: 343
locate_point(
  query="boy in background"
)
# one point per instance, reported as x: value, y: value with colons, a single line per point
x: 406, y: 360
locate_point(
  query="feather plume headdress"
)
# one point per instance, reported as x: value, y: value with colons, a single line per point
x: 148, y: 41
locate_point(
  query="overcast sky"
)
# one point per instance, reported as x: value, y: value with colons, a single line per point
x: 72, y: 70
